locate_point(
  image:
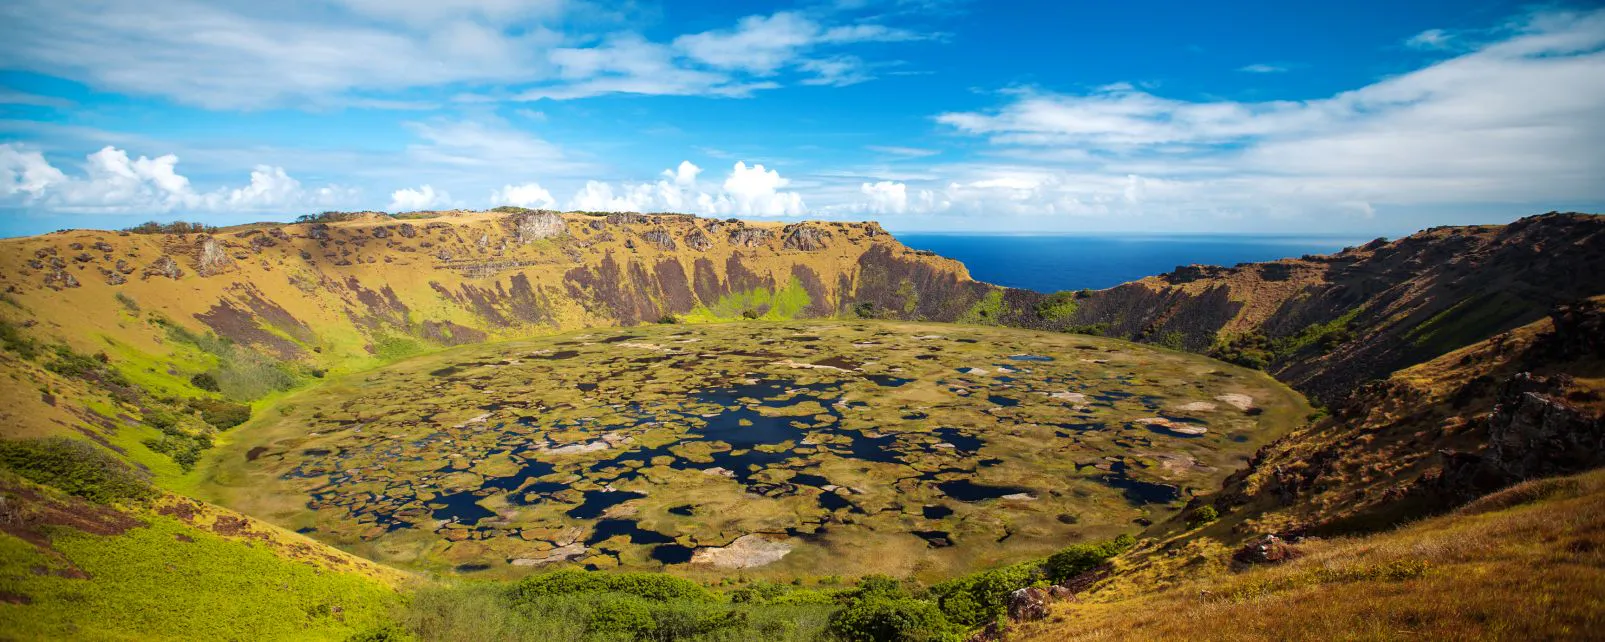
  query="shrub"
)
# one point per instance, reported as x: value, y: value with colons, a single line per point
x: 222, y: 415
x: 866, y: 310
x: 668, y: 319
x: 901, y: 620
x: 205, y: 381
x: 750, y: 313
x: 13, y: 340
x: 1081, y: 558
x: 651, y: 586
x: 127, y: 301
x: 757, y: 592
x: 1058, y: 306
x: 1204, y: 515
x: 979, y: 598
x: 76, y: 467
x: 879, y: 586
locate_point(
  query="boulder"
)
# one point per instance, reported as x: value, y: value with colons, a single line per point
x: 805, y: 237
x: 696, y: 240
x: 749, y: 236
x: 164, y: 266
x: 535, y: 226
x: 660, y: 238
x: 1028, y: 604
x: 1269, y: 549
x: 212, y: 257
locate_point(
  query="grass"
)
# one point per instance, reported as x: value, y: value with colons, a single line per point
x: 1527, y: 563
x: 171, y: 580
x: 985, y: 311
x: 780, y: 304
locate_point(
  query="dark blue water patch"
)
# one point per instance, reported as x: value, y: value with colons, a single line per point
x: 445, y: 372
x: 968, y: 340
x: 1029, y: 357
x: 605, y: 529
x: 1137, y: 492
x: 1082, y: 427
x: 304, y: 530
x: 936, y: 511
x: 809, y: 480
x: 764, y: 430
x: 888, y: 381
x: 834, y: 502
x: 1000, y: 400
x: 1238, y: 438
x: 585, y: 386
x: 861, y: 446
x: 1005, y: 379
x: 619, y: 338
x: 598, y: 501
x: 471, y: 568
x: 925, y: 357
x: 672, y: 553
x: 963, y: 442
x: 560, y: 354
x: 965, y: 490
x: 1111, y: 396
x: 988, y: 463
x: 684, y: 510
x: 461, y: 507
x: 914, y: 416
x: 935, y: 539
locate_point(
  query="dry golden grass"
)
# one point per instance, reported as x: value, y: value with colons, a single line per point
x: 1527, y: 563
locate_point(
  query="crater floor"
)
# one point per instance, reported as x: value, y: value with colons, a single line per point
x: 807, y: 449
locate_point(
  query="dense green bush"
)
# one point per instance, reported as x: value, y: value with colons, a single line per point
x: 651, y: 586
x: 879, y: 619
x: 76, y: 467
x: 978, y: 598
x: 205, y: 381
x: 1204, y: 515
x: 1058, y: 306
x: 1081, y: 558
x: 222, y: 415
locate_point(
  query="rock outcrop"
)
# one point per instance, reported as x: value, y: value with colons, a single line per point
x: 535, y: 226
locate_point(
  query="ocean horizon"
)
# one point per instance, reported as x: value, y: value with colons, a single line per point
x: 1049, y: 262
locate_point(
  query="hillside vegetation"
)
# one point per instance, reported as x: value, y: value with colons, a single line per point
x: 1453, y: 363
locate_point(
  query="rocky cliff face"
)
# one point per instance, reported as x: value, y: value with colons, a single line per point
x: 1326, y: 324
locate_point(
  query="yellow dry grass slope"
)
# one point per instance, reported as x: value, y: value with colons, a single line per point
x: 1527, y: 563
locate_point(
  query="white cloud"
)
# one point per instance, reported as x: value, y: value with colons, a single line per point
x: 836, y: 71
x: 758, y: 44
x: 527, y: 195
x: 1469, y: 129
x: 412, y: 200
x: 907, y: 152
x: 1261, y: 68
x: 755, y: 191
x: 1430, y: 39
x: 886, y: 197
x: 114, y: 183
x: 377, y: 54
x: 746, y: 191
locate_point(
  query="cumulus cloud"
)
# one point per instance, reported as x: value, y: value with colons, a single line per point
x: 425, y: 197
x: 746, y: 191
x: 112, y: 183
x: 1517, y: 120
x: 530, y: 195
x: 885, y: 197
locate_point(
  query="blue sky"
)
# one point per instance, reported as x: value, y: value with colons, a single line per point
x: 1343, y: 118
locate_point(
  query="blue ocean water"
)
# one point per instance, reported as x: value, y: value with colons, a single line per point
x: 1049, y: 263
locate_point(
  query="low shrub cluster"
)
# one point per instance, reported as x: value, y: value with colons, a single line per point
x: 75, y: 467
x: 175, y: 227
x: 591, y: 605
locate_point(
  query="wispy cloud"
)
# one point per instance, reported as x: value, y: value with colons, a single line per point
x: 1261, y: 68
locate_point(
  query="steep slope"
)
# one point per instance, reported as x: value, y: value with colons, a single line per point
x: 1326, y: 324
x: 150, y: 565
x: 1527, y: 563
x: 1525, y: 404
